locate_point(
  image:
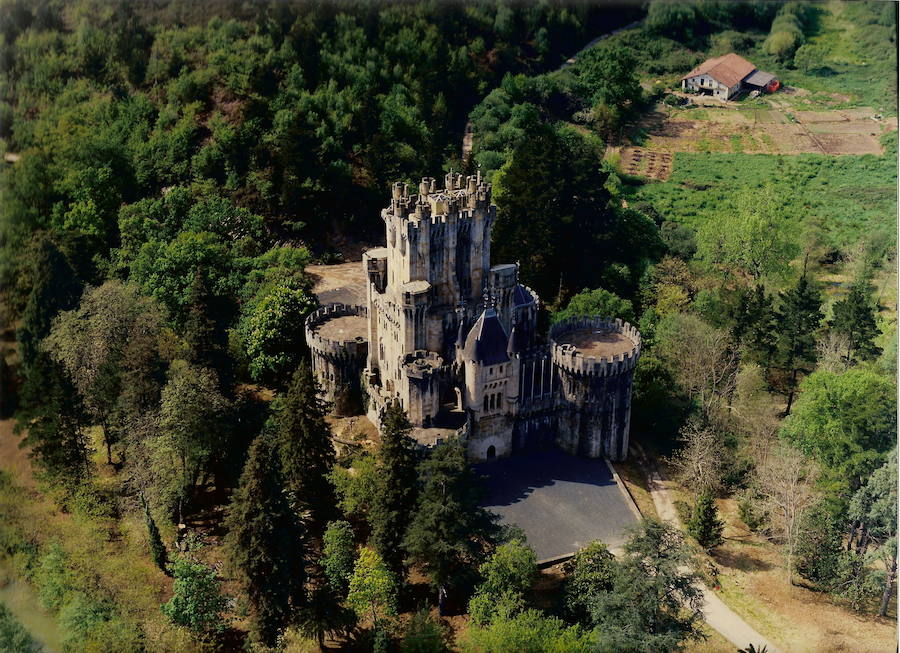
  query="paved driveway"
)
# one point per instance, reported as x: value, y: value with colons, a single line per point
x: 562, y: 502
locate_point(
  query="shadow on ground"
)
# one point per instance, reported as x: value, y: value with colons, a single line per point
x: 562, y: 502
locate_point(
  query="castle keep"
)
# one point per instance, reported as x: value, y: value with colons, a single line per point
x: 455, y: 340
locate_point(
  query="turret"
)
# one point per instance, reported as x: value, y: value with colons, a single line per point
x: 595, y: 359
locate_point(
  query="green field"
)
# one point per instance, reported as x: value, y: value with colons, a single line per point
x: 848, y: 197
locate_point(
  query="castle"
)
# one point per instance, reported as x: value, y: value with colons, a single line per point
x: 455, y: 340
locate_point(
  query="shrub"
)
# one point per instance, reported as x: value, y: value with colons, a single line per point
x: 13, y: 636
x: 423, y: 634
x: 197, y: 602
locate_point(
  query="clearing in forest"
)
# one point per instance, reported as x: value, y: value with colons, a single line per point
x: 771, y: 128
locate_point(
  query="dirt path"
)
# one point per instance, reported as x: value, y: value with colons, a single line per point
x: 718, y: 615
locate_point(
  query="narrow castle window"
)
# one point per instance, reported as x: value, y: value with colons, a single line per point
x: 485, y: 403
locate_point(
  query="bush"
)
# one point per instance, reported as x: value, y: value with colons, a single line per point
x: 528, y: 632
x: 197, y: 602
x: 53, y: 578
x: 750, y: 513
x: 13, y: 636
x: 423, y: 634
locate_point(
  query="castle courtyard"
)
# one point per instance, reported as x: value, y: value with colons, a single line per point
x: 561, y: 501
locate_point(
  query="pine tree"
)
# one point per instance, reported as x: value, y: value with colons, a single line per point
x: 854, y: 317
x: 206, y: 342
x: 56, y: 421
x: 265, y: 543
x: 705, y: 525
x: 797, y: 320
x: 54, y: 288
x: 395, y: 492
x: 305, y: 447
x: 754, y: 324
x: 157, y: 548
x: 449, y: 532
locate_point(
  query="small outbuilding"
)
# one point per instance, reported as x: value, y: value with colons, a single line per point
x: 726, y: 76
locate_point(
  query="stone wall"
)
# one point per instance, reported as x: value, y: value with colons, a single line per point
x: 338, y: 363
x: 594, y: 401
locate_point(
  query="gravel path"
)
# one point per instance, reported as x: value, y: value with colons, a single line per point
x: 718, y: 615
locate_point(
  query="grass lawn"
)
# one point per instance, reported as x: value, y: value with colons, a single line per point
x: 847, y: 197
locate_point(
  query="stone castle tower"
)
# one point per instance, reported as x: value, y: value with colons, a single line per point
x: 455, y: 340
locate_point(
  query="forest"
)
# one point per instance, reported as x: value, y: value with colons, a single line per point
x: 171, y: 169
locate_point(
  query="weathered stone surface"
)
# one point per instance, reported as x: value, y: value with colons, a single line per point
x: 455, y: 340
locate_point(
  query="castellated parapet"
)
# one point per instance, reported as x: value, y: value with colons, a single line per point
x: 595, y: 360
x: 454, y: 339
x: 336, y: 335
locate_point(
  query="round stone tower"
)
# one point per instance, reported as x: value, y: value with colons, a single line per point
x: 594, y: 359
x: 336, y: 335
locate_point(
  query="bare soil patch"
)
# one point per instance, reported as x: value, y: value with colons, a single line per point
x: 757, y: 130
x: 344, y: 283
x: 591, y: 342
x: 642, y: 162
x: 343, y: 328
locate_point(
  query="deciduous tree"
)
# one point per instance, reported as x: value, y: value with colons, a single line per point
x: 700, y: 462
x: 752, y: 241
x: 338, y: 555
x: 91, y: 343
x: 192, y: 431
x: 373, y: 589
x: 197, y: 602
x: 785, y: 480
x: 702, y: 359
x: 506, y: 578
x: 846, y: 422
x: 597, y: 302
x: 590, y: 571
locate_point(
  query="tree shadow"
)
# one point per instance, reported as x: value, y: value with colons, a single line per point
x: 741, y: 561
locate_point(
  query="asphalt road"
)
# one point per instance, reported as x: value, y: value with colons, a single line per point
x: 562, y: 502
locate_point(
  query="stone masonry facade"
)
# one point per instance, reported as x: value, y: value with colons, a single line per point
x: 455, y: 340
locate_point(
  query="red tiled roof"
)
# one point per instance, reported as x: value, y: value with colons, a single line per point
x: 729, y: 69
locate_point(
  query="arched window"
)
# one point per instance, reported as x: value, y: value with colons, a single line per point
x: 492, y: 401
x: 485, y: 403
x: 499, y: 400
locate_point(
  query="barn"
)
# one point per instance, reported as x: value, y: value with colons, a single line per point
x: 726, y: 76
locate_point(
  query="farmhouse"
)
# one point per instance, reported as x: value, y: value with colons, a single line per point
x: 724, y: 77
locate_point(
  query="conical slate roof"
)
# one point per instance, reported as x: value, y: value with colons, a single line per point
x: 486, y: 342
x: 522, y: 297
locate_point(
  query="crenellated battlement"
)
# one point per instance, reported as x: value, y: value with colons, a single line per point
x: 578, y: 359
x: 458, y: 198
x: 421, y: 364
x: 336, y: 342
x: 537, y: 298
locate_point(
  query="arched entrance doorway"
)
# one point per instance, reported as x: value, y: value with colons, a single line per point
x: 491, y: 452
